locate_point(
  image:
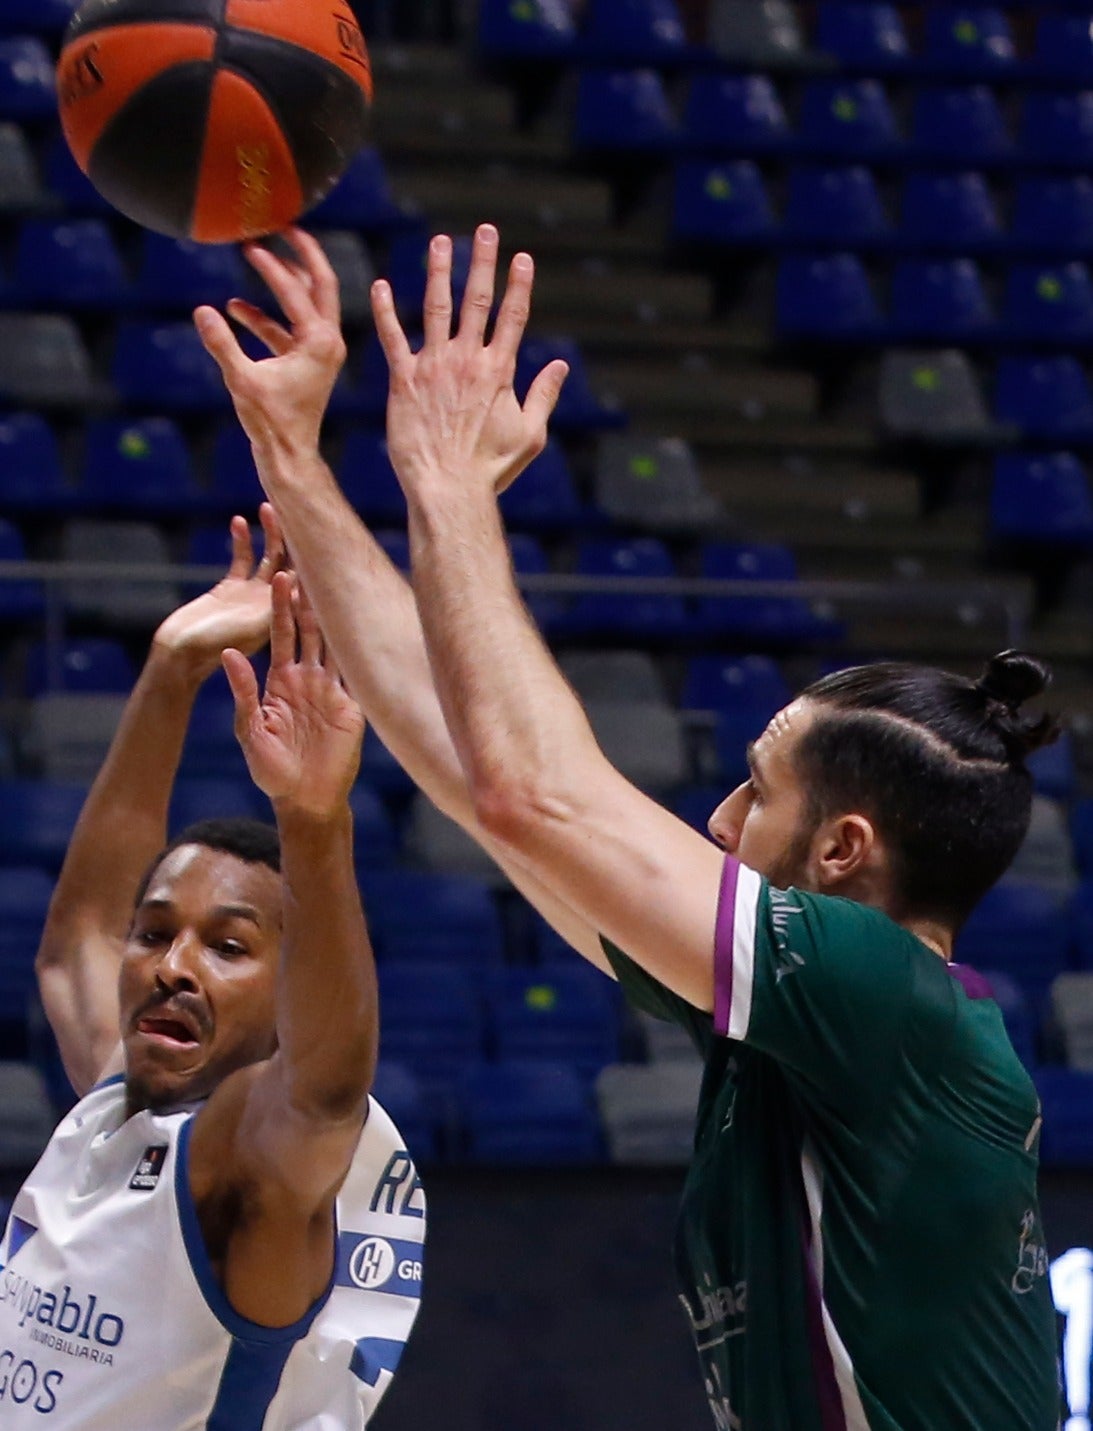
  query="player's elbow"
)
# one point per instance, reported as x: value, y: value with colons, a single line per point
x: 515, y: 812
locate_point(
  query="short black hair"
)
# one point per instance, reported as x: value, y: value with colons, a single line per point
x: 937, y: 762
x: 253, y: 841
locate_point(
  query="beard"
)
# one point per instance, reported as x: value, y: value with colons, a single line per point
x: 791, y: 866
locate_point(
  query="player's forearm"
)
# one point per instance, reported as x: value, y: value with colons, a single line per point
x: 327, y: 1004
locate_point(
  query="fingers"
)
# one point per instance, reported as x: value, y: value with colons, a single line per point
x: 287, y: 284
x: 438, y: 292
x: 393, y: 340
x: 274, y: 555
x: 311, y: 637
x: 478, y: 295
x: 545, y: 391
x: 276, y: 338
x: 325, y: 289
x: 220, y: 342
x: 244, y: 686
x: 282, y: 626
x: 242, y: 562
x: 512, y: 317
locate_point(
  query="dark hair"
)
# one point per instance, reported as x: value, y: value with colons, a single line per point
x: 937, y: 762
x: 251, y: 840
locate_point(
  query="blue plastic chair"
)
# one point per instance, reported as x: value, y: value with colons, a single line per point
x: 374, y: 840
x: 1066, y: 1097
x: 78, y: 663
x: 379, y: 768
x: 959, y: 125
x: 728, y: 682
x: 164, y: 366
x: 530, y: 559
x: 399, y: 1093
x: 694, y: 804
x: 68, y: 183
x: 940, y: 300
x: 1057, y: 129
x: 39, y: 817
x: 32, y: 478
x: 736, y: 114
x: 1048, y: 304
x: 624, y: 111
x: 578, y: 409
x: 1047, y: 399
x: 847, y: 118
x: 736, y: 728
x: 765, y: 620
x: 19, y: 600
x: 1054, y: 773
x: 35, y: 17
x: 361, y: 199
x: 418, y: 916
x: 1064, y: 48
x: 953, y: 213
x: 212, y: 750
x: 235, y: 486
x: 649, y: 617
x: 721, y: 202
x: 140, y: 466
x: 544, y: 497
x: 526, y: 30
x: 1022, y: 930
x: 827, y: 297
x: 25, y: 893
x: 72, y: 264
x: 176, y: 274
x: 633, y: 32
x: 968, y: 40
x: 554, y: 1012
x: 368, y: 479
x: 432, y: 1018
x: 537, y: 1113
x: 1053, y: 214
x: 28, y: 90
x: 834, y: 206
x: 867, y: 36
x: 1041, y: 498
x: 204, y: 797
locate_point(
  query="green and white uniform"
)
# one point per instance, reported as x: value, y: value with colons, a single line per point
x: 860, y: 1243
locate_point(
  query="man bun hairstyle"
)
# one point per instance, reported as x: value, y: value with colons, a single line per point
x: 937, y: 762
x: 253, y: 841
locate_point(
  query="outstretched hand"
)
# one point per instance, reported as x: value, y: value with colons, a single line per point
x: 452, y: 413
x: 236, y: 612
x: 302, y: 737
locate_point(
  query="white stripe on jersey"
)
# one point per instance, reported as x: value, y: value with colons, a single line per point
x: 748, y: 888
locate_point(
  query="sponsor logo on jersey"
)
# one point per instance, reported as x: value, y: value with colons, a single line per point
x: 1032, y: 1258
x: 783, y: 906
x: 66, y: 1310
x: 149, y: 1168
x: 379, y: 1264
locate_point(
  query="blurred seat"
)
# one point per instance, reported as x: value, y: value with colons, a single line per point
x: 1046, y: 857
x: 653, y: 484
x: 1064, y: 48
x: 633, y: 32
x: 737, y: 726
x: 765, y: 621
x: 374, y: 839
x: 1048, y: 304
x: 437, y: 843
x: 1020, y: 929
x: 959, y: 125
x: 665, y: 1043
x: 931, y: 396
x: 25, y: 892
x: 352, y: 263
x: 622, y: 111
x: 523, y: 1112
x: 164, y: 366
x: 1047, y: 398
x: 1043, y: 498
x: 1057, y: 128
x: 1053, y: 769
x: 825, y: 297
x: 648, y: 1111
x: 736, y: 114
x: 954, y: 213
x: 379, y: 768
x: 968, y: 40
x: 399, y: 1093
x: 568, y: 1013
x: 1017, y: 1015
x: 119, y: 602
x: 71, y: 264
x: 537, y: 30
x: 715, y: 683
x: 529, y: 560
x: 578, y: 409
x: 415, y: 915
x: 35, y: 17
x: 940, y: 300
x: 631, y: 613
x: 362, y: 198
x: 211, y: 751
x: 43, y: 361
x: 208, y: 797
x: 39, y: 817
x: 847, y: 118
x: 834, y: 206
x: 20, y: 600
x: 1066, y: 1096
x: 78, y: 664
x: 139, y: 466
x: 720, y: 202
x: 862, y: 36
x: 1053, y: 214
x: 27, y: 87
x: 178, y: 274
x: 643, y: 741
x: 68, y: 184
x: 1081, y: 916
x: 234, y: 484
x: 396, y: 547
x: 432, y: 1019
x: 30, y: 458
x: 67, y: 733
x: 544, y: 497
x: 21, y: 188
x: 756, y: 34
x: 614, y: 676
x: 26, y: 1116
x: 1081, y: 835
x: 368, y: 479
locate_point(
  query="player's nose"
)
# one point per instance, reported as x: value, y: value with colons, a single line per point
x: 177, y: 967
x: 726, y: 821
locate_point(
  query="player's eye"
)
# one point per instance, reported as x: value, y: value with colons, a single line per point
x: 231, y: 948
x: 151, y: 937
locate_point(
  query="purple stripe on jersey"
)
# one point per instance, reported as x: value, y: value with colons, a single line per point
x: 829, y: 1399
x: 973, y: 984
x: 722, y: 945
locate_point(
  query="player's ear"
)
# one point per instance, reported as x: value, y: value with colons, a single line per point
x: 843, y: 848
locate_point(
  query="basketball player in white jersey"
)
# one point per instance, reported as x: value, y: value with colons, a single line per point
x: 226, y: 1231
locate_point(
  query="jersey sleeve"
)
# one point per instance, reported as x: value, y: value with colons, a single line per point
x: 652, y: 997
x: 823, y: 985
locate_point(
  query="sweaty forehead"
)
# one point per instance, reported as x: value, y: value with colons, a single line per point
x: 783, y: 731
x: 200, y: 875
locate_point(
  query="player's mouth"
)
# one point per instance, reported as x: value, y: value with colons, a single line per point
x: 168, y: 1032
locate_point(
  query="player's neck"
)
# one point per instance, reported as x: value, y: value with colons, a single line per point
x: 935, y: 936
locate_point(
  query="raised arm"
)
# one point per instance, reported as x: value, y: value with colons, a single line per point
x: 365, y: 606
x: 123, y: 823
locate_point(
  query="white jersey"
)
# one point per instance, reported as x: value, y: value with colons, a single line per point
x: 111, y: 1318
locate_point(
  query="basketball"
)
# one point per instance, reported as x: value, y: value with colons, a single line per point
x: 214, y: 120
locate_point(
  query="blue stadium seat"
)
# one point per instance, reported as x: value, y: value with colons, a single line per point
x: 645, y: 617
x: 633, y: 32
x: 235, y: 486
x: 940, y: 300
x: 834, y: 206
x: 396, y: 545
x: 1053, y: 214
x: 624, y: 111
x: 39, y: 817
x: 1047, y: 399
x: 19, y: 600
x: 368, y: 479
x: 825, y: 297
x: 1053, y: 770
x: 1018, y: 1017
x: 694, y: 804
x: 35, y: 17
x: 565, y: 1012
x: 736, y: 114
x: 27, y: 87
x: 959, y: 125
x: 730, y: 682
x: 379, y: 768
x: 528, y: 1113
x: 530, y: 559
x: 72, y: 264
x: 432, y: 1018
x: 164, y: 366
x: 544, y: 497
x: 766, y: 621
x: 78, y: 663
x: 578, y: 409
x: 862, y: 36
x: 30, y: 461
x: 526, y: 30
x: 141, y: 466
x: 1057, y: 129
x: 736, y: 727
x: 24, y: 900
x: 374, y: 377
x: 1081, y: 910
x: 399, y: 1093
x: 968, y: 40
x: 1064, y: 48
x: 69, y: 184
x: 416, y: 916
x: 721, y: 202
x: 211, y: 749
x: 848, y: 118
x: 180, y: 275
x: 1048, y: 304
x: 1066, y: 1097
x: 1081, y: 835
x: 955, y: 213
x: 206, y: 797
x: 361, y: 199
x: 1041, y: 498
x: 374, y: 840
x: 1022, y: 930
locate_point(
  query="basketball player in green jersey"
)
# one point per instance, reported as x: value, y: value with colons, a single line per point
x: 860, y: 1246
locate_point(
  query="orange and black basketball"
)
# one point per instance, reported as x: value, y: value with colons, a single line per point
x: 215, y: 120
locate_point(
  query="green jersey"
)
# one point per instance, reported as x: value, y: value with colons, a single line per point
x: 859, y: 1245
